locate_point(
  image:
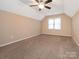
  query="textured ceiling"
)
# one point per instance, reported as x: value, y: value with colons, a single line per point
x: 71, y: 7
x: 21, y: 7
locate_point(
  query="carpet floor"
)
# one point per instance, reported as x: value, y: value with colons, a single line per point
x: 42, y: 47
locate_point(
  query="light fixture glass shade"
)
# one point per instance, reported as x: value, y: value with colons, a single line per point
x: 41, y: 5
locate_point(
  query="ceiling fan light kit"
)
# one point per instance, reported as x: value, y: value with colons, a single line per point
x: 41, y: 6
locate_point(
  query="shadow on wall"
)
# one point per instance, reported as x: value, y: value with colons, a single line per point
x: 75, y: 25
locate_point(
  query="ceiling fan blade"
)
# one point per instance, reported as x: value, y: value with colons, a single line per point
x: 48, y: 1
x: 47, y: 7
x: 33, y: 5
x: 37, y: 1
x: 41, y: 0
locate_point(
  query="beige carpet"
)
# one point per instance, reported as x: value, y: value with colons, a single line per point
x: 42, y: 47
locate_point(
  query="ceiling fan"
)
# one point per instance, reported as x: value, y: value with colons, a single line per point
x: 42, y: 4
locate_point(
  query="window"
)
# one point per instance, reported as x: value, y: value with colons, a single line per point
x: 57, y: 23
x: 54, y: 23
x: 50, y: 24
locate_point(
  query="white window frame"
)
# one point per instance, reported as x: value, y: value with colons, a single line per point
x: 54, y: 23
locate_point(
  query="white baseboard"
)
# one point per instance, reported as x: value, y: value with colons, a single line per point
x: 57, y: 35
x: 18, y: 40
x: 76, y: 42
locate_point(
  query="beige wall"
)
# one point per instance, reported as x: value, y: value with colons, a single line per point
x: 75, y: 26
x: 65, y: 26
x: 14, y: 27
